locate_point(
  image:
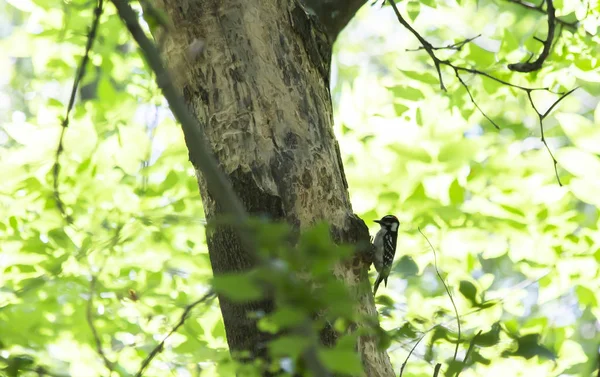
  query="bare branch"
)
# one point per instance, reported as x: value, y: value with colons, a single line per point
x: 473, y: 100
x: 438, y: 62
x: 65, y: 122
x: 455, y: 46
x: 426, y: 45
x: 537, y: 64
x: 159, y: 347
x: 447, y: 291
x: 541, y: 118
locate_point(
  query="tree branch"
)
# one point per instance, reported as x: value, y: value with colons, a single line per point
x: 426, y: 45
x: 457, y: 69
x: 454, y: 46
x: 409, y: 354
x: 537, y: 64
x: 65, y: 122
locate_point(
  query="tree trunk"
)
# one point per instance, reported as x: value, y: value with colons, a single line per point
x: 261, y: 92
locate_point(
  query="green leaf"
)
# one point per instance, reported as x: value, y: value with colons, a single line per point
x: 341, y: 360
x: 528, y: 346
x: 469, y: 291
x: 481, y: 57
x: 587, y: 298
x: 581, y: 131
x: 289, y: 345
x: 400, y: 108
x: 283, y: 318
x: 406, y: 267
x: 407, y: 92
x: 489, y: 338
x: 578, y: 162
x: 106, y: 91
x: 456, y: 193
x: 170, y: 181
x: 238, y: 287
x: 413, y: 8
x: 425, y: 77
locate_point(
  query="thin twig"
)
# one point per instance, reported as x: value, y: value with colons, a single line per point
x: 541, y: 118
x: 426, y: 45
x: 447, y: 291
x: 455, y: 46
x: 537, y: 64
x: 464, y: 84
x: 159, y: 347
x: 65, y: 122
x: 90, y: 320
x: 409, y: 354
x: 471, y: 345
x: 436, y: 371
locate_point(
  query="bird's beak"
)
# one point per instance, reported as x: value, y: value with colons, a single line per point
x: 378, y: 221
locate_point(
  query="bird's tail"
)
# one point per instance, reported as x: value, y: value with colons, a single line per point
x: 377, y: 282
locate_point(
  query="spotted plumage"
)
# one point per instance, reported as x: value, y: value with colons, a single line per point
x: 384, y: 246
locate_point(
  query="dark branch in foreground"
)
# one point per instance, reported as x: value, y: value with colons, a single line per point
x: 457, y: 69
x: 65, y: 123
x: 159, y: 347
x: 537, y: 64
x: 447, y: 291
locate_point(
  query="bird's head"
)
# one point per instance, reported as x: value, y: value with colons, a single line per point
x: 389, y: 221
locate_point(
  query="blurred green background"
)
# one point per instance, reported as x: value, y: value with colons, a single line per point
x: 519, y: 252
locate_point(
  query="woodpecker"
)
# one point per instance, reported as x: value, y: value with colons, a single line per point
x: 384, y: 247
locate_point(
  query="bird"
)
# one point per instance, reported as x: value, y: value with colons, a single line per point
x: 384, y: 246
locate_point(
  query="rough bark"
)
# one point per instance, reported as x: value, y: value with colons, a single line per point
x: 261, y: 92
